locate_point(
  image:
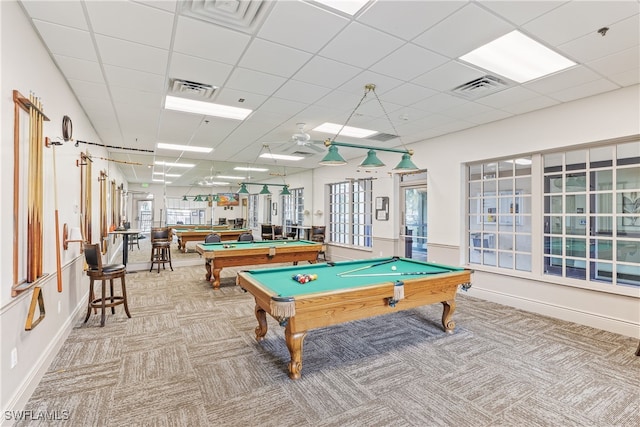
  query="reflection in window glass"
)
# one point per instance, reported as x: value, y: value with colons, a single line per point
x: 607, y: 178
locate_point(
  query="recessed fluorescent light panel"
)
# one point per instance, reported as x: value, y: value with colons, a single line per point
x: 243, y: 168
x: 206, y: 108
x: 517, y: 57
x: 350, y: 7
x: 161, y: 180
x: 232, y: 177
x: 280, y: 157
x: 174, y: 165
x: 165, y: 146
x: 347, y: 131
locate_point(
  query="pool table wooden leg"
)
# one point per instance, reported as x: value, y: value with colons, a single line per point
x: 448, y: 307
x: 261, y: 329
x: 294, y: 344
x: 207, y: 265
x: 216, y: 277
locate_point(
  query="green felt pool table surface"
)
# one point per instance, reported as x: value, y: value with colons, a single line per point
x: 280, y: 281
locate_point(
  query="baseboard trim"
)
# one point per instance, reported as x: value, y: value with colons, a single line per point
x: 610, y: 324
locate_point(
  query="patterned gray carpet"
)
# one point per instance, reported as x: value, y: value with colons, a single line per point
x: 188, y: 357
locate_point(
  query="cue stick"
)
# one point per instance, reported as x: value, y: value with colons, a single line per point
x: 406, y: 273
x: 55, y: 201
x: 394, y: 259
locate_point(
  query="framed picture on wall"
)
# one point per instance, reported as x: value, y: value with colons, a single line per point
x: 228, y: 199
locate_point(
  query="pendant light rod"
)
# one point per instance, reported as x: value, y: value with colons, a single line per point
x: 329, y: 143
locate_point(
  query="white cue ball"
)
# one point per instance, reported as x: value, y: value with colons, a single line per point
x: 393, y: 267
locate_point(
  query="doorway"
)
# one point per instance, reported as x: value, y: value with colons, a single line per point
x: 145, y: 215
x: 413, y: 233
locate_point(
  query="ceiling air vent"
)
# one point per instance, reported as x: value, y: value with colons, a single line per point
x: 239, y: 15
x: 381, y: 136
x: 485, y: 85
x: 191, y: 89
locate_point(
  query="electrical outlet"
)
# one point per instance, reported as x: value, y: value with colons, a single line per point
x: 14, y: 358
x: 59, y: 307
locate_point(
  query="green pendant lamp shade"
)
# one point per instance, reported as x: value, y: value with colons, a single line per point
x: 406, y: 164
x: 285, y: 191
x: 265, y: 190
x: 333, y: 158
x: 184, y: 198
x: 243, y: 189
x: 197, y: 198
x: 371, y: 161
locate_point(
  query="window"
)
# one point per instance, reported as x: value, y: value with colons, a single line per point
x: 293, y: 207
x: 499, y: 214
x: 592, y: 214
x: 350, y: 212
x: 185, y: 212
x: 253, y: 211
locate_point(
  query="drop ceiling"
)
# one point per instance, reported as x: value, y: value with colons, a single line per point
x: 300, y: 62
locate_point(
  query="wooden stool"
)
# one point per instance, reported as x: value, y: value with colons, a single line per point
x: 160, y: 248
x: 98, y: 271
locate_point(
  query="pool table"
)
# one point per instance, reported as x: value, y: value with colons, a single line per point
x: 185, y: 235
x: 234, y: 254
x: 346, y: 291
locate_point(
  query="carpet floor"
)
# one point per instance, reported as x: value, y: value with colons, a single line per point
x: 188, y: 357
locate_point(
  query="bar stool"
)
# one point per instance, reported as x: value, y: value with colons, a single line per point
x: 160, y: 248
x: 98, y: 271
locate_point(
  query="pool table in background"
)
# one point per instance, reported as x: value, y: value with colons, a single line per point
x: 235, y: 254
x: 197, y: 235
x: 374, y: 289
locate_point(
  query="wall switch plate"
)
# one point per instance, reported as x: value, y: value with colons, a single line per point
x: 14, y: 357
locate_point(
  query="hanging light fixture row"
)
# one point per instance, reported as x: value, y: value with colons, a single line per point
x: 265, y: 188
x: 333, y: 158
x: 202, y: 198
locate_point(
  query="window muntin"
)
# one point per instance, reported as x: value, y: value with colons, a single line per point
x: 351, y: 212
x: 499, y: 214
x: 591, y: 216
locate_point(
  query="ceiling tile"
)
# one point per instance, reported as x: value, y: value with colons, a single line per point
x: 301, y: 91
x: 577, y: 18
x: 168, y: 5
x: 584, y: 90
x: 408, y: 62
x: 439, y: 102
x: 478, y: 27
x: 572, y: 77
x: 507, y: 97
x: 80, y: 69
x: 301, y: 25
x: 67, y: 41
x: 407, y: 94
x: 522, y: 11
x: 66, y: 13
x: 272, y: 58
x: 448, y: 76
x: 133, y: 79
x: 326, y: 72
x: 530, y: 105
x: 254, y: 81
x: 360, y: 46
x: 199, y: 70
x: 239, y: 98
x: 618, y: 62
x: 126, y: 54
x: 89, y: 90
x: 620, y: 36
x: 201, y: 39
x: 122, y: 20
x: 407, y: 19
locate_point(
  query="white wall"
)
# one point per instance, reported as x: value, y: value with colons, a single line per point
x: 27, y: 67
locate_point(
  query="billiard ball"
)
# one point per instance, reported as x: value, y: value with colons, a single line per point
x: 393, y: 267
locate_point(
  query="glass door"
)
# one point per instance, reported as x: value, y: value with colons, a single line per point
x: 413, y: 232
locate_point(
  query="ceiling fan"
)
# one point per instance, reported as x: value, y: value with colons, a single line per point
x: 303, y: 139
